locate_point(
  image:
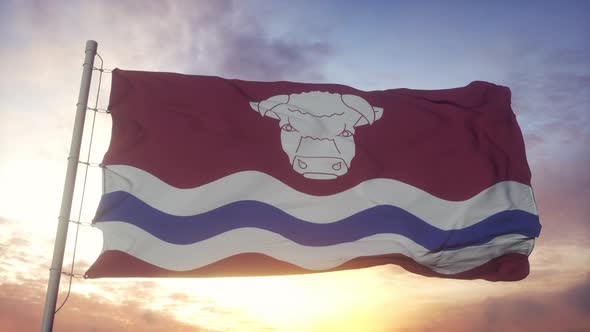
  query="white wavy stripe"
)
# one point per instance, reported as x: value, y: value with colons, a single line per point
x: 144, y: 246
x: 257, y: 186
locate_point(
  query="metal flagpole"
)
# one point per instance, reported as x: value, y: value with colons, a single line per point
x: 68, y: 192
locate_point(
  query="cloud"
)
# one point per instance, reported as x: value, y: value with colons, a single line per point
x: 18, y: 261
x: 562, y: 188
x: 19, y: 241
x: 551, y: 95
x: 200, y: 37
x: 525, y: 311
x: 258, y: 58
x: 579, y: 297
x: 21, y: 309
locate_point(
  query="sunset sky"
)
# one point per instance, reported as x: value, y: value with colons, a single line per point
x: 540, y: 49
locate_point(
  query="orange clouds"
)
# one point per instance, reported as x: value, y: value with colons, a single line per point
x: 565, y: 310
x: 21, y: 307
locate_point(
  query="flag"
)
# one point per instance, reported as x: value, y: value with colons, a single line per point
x: 207, y: 177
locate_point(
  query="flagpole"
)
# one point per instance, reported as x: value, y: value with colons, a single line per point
x: 68, y: 192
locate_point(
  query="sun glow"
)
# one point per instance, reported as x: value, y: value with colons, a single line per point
x: 340, y: 301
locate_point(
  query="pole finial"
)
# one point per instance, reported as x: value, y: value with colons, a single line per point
x: 91, y: 45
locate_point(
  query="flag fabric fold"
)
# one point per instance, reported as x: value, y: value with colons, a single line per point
x: 206, y: 176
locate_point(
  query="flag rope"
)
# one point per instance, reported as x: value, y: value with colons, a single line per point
x: 78, y: 222
x: 98, y: 110
x: 88, y: 164
x: 101, y: 69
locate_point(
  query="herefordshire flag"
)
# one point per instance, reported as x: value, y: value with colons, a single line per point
x: 209, y: 177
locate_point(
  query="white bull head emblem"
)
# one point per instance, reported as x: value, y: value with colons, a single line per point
x: 318, y: 129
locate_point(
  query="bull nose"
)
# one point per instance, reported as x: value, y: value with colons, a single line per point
x: 337, y: 166
x: 320, y: 168
x: 301, y: 164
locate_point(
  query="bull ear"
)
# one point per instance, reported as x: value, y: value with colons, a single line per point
x: 254, y: 106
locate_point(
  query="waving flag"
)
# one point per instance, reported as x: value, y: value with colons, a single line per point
x: 207, y: 176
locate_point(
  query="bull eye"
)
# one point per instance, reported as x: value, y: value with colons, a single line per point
x: 288, y: 128
x: 345, y: 133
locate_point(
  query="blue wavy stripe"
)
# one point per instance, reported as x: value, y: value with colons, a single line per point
x: 122, y: 206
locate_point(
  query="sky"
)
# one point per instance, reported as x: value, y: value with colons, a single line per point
x: 540, y: 49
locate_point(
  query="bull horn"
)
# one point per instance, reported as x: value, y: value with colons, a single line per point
x: 378, y: 112
x: 369, y: 114
x: 265, y: 107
